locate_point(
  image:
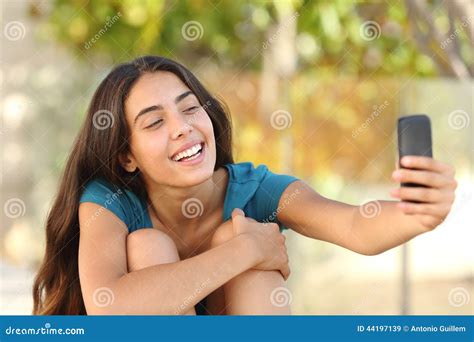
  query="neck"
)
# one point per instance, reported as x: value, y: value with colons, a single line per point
x: 184, y: 210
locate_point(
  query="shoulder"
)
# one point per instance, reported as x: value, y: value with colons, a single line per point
x: 99, y: 188
x: 256, y: 190
x: 245, y: 172
x: 120, y: 201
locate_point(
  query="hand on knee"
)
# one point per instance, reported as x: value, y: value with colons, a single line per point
x: 222, y: 234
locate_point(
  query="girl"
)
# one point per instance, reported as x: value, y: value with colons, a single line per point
x: 153, y: 216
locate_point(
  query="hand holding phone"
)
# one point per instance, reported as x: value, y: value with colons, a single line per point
x: 414, y: 138
x: 431, y: 199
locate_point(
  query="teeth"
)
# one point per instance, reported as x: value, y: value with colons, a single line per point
x: 187, y: 153
x: 193, y: 157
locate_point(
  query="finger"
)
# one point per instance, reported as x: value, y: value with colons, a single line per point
x: 422, y: 208
x: 428, y: 178
x: 426, y: 163
x: 427, y: 195
x: 237, y: 212
x: 285, y: 271
x: 237, y: 216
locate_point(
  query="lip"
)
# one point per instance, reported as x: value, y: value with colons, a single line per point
x: 186, y: 146
x: 194, y: 161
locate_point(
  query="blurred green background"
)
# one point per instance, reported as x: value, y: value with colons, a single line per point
x: 314, y: 88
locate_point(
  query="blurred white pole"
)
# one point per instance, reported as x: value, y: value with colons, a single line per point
x: 284, y: 57
x: 406, y: 98
x: 405, y: 282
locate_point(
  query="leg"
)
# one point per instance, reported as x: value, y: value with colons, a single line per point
x: 257, y: 292
x: 148, y: 247
x: 253, y: 292
x: 215, y: 302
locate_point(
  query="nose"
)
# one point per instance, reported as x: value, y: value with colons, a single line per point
x: 179, y: 126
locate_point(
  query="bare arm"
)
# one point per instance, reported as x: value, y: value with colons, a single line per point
x: 160, y: 289
x: 368, y: 229
x: 376, y: 226
x: 177, y: 287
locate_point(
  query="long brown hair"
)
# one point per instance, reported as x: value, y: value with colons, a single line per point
x: 95, y: 153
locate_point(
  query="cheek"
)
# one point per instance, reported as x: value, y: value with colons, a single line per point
x: 149, y: 149
x: 204, y: 124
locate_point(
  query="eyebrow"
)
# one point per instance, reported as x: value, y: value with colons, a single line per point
x: 160, y: 107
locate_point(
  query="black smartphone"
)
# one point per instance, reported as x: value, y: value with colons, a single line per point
x: 414, y: 138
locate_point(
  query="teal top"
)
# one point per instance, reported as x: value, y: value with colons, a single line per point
x: 256, y: 191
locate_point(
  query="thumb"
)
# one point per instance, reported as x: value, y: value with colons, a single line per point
x: 237, y: 212
x: 237, y: 216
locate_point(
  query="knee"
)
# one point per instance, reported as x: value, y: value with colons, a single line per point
x: 147, y: 247
x: 222, y: 234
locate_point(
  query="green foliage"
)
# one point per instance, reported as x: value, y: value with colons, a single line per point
x: 233, y: 32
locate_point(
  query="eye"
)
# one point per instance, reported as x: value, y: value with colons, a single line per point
x: 154, y: 124
x: 191, y: 109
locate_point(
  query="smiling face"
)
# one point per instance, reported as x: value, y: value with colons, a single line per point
x: 171, y: 135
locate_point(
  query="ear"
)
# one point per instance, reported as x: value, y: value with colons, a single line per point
x: 128, y: 162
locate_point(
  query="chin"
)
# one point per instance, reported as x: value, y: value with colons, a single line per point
x: 196, y: 175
